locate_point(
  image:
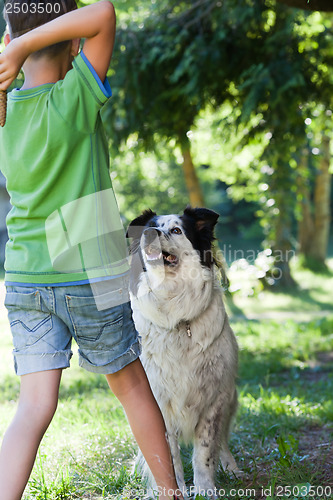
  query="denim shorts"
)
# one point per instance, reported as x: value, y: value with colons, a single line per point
x: 44, y: 319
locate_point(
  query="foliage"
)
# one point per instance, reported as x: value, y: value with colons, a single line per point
x: 265, y: 63
x: 263, y: 70
x: 165, y: 92
x: 324, y: 5
x: 147, y: 180
x: 61, y: 488
x: 279, y: 86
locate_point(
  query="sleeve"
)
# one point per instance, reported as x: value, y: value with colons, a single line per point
x: 79, y: 97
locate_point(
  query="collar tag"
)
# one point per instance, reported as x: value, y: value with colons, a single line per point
x: 188, y: 329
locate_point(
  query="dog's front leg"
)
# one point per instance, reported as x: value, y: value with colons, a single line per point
x: 177, y: 463
x: 206, y: 454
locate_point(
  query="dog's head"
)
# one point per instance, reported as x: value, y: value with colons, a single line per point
x: 169, y: 242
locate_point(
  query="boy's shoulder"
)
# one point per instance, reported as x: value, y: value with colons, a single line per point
x: 73, y: 104
x: 100, y: 90
x: 79, y: 97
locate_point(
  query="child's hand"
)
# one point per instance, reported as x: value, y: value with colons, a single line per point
x: 11, y: 61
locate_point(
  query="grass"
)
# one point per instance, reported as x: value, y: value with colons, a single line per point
x: 313, y: 297
x: 282, y: 437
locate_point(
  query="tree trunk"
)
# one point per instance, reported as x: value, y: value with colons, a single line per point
x: 191, y: 178
x: 322, y: 212
x: 197, y: 200
x: 280, y: 236
x: 306, y: 222
x: 282, y: 252
x: 323, y: 5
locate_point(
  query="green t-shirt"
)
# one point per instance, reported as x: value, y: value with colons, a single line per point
x: 64, y: 225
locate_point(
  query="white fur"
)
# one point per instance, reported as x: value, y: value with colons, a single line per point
x: 192, y: 377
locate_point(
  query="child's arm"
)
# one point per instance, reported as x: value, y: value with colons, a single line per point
x: 96, y: 23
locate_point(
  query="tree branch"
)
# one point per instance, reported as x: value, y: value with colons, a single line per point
x: 323, y: 5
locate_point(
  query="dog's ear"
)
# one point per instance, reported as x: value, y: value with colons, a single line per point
x: 137, y: 225
x: 199, y: 226
x: 203, y: 217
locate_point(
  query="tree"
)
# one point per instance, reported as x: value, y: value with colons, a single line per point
x: 323, y: 5
x: 322, y: 195
x: 315, y: 181
x: 280, y: 86
x: 166, y: 71
x: 268, y: 61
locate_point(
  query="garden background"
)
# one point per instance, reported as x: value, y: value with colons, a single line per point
x: 225, y: 104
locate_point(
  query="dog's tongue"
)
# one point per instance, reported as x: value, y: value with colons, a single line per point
x: 171, y: 258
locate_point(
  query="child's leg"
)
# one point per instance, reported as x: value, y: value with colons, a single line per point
x: 36, y: 407
x: 132, y: 388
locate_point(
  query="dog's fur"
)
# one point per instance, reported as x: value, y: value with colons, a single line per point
x: 189, y: 349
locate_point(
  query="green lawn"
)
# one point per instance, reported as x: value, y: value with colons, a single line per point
x: 312, y: 298
x: 282, y: 437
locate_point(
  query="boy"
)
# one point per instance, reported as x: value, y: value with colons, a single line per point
x: 61, y: 278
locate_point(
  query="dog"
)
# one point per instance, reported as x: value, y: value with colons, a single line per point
x: 189, y: 350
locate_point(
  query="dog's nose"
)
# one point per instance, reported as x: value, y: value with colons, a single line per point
x: 151, y: 233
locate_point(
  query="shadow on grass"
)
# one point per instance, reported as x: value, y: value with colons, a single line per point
x: 277, y: 457
x: 304, y: 296
x: 300, y: 298
x: 272, y: 447
x: 312, y: 295
x: 270, y: 348
x: 279, y: 366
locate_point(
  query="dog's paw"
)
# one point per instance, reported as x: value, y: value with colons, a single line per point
x: 236, y: 472
x: 204, y: 491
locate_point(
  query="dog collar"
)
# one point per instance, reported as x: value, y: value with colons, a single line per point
x: 187, y: 325
x: 188, y: 329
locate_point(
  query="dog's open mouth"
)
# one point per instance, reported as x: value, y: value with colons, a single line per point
x: 155, y: 255
x: 169, y: 259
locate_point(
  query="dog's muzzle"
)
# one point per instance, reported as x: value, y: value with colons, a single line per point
x: 153, y: 249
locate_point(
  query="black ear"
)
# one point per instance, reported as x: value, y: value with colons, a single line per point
x: 203, y: 217
x: 137, y: 225
x: 199, y: 226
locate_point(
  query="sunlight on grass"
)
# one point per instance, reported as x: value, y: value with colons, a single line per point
x: 314, y: 295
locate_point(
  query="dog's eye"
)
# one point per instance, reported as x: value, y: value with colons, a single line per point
x: 176, y: 230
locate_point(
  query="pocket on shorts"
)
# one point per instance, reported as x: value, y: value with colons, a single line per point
x: 95, y: 329
x: 28, y: 323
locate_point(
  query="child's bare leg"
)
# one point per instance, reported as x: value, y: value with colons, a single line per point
x: 36, y: 407
x: 132, y: 388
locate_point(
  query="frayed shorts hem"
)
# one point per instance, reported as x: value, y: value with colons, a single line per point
x: 25, y: 364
